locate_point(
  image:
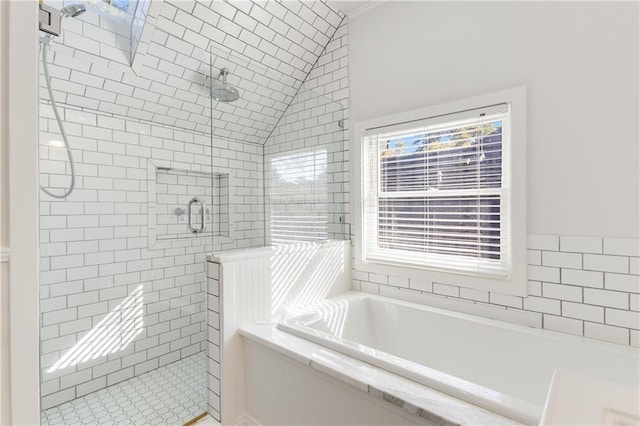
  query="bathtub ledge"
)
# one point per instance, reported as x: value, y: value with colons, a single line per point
x: 415, y: 399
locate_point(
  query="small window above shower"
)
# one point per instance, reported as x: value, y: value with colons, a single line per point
x: 116, y: 30
x: 119, y: 8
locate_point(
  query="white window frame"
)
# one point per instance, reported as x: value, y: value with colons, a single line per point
x: 516, y: 283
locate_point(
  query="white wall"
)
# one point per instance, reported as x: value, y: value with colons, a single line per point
x: 19, y: 215
x: 4, y: 226
x: 579, y: 61
x: 583, y: 263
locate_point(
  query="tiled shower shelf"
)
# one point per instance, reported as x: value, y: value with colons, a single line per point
x: 169, y: 395
x: 415, y: 399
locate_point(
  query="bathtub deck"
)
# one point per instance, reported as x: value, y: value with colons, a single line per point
x: 417, y: 400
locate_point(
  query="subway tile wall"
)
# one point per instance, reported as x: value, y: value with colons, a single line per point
x: 213, y: 340
x: 99, y: 278
x: 586, y: 286
x: 306, y: 156
x: 269, y: 48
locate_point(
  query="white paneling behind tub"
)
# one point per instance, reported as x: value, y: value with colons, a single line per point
x: 286, y: 392
x: 261, y: 284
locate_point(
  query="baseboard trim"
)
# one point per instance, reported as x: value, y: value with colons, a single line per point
x: 246, y: 420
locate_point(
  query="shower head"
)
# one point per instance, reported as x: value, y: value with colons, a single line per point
x: 223, y: 91
x: 73, y: 10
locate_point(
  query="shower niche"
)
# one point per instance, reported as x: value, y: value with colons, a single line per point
x: 175, y: 194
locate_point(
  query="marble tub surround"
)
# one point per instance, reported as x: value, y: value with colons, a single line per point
x: 444, y: 350
x: 425, y: 404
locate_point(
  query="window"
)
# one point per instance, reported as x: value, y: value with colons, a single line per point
x: 437, y: 194
x: 120, y: 8
x: 297, y: 196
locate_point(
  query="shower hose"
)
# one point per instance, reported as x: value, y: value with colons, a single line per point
x: 61, y: 126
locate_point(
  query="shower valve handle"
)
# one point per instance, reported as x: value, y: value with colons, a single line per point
x: 203, y: 215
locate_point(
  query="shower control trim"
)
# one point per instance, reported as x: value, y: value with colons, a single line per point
x: 203, y: 215
x: 49, y: 19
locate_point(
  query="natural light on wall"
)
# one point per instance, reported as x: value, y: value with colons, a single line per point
x: 298, y: 196
x: 111, y: 335
x: 303, y: 273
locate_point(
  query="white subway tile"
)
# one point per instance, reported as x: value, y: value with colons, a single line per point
x: 560, y: 259
x: 563, y: 325
x: 634, y: 265
x: 622, y: 246
x: 605, y: 263
x: 539, y: 304
x: 425, y: 286
x: 446, y: 290
x: 474, y: 294
x: 505, y: 300
x: 581, y: 244
x: 57, y: 398
x: 634, y: 302
x: 543, y: 273
x: 53, y: 304
x: 91, y: 386
x: 622, y: 282
x: 56, y: 317
x: 534, y: 288
x: 562, y: 292
x: 378, y: 278
x: 583, y: 312
x: 369, y: 287
x: 74, y: 379
x: 614, y: 299
x: 76, y: 326
x: 606, y: 333
x: 620, y: 318
x: 398, y: 281
x: 582, y: 278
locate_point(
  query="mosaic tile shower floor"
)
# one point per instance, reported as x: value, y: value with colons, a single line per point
x: 170, y: 395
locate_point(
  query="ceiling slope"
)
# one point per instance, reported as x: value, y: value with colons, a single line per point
x: 268, y: 46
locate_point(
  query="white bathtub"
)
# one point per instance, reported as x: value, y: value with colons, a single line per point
x: 502, y: 367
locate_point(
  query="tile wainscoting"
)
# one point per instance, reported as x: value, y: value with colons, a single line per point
x: 586, y: 286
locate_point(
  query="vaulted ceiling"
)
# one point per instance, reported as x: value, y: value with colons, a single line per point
x: 269, y: 48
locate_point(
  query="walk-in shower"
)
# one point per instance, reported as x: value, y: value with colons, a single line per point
x: 127, y: 311
x: 122, y: 319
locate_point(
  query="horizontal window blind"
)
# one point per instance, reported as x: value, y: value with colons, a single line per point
x: 436, y: 193
x: 297, y: 197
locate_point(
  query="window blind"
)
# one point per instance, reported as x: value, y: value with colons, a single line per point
x: 436, y: 193
x: 297, y: 197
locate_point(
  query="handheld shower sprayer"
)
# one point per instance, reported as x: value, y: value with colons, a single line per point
x: 72, y: 11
